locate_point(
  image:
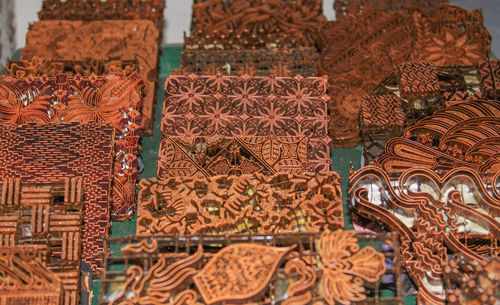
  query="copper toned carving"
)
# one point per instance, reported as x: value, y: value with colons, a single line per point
x: 44, y: 220
x: 239, y: 21
x: 345, y: 8
x: 253, y: 62
x: 490, y: 78
x: 100, y: 40
x: 86, y: 67
x: 52, y: 152
x: 249, y: 106
x: 74, y: 98
x: 462, y: 135
x: 435, y: 216
x: 412, y: 92
x: 211, y: 156
x: 92, y: 10
x: 290, y: 269
x: 360, y: 50
x: 245, y: 204
x: 472, y: 282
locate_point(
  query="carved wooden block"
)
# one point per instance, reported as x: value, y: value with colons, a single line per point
x: 50, y: 153
x: 74, y: 98
x: 240, y: 204
x: 102, y: 40
x: 286, y: 268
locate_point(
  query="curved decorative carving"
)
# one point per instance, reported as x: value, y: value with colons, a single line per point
x: 346, y: 267
x: 434, y: 216
x: 462, y: 135
x: 128, y: 40
x: 247, y: 270
x: 345, y: 8
x: 246, y: 204
x: 74, y: 98
x: 244, y: 106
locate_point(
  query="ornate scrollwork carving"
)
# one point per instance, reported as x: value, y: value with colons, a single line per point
x: 127, y: 40
x: 300, y: 269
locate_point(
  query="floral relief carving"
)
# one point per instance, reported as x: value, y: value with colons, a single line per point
x: 251, y: 272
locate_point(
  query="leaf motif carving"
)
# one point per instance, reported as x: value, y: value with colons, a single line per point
x: 238, y: 272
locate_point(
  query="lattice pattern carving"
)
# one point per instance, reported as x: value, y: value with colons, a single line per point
x: 434, y: 215
x: 52, y: 152
x: 240, y: 204
x: 490, y: 79
x: 74, y: 98
x: 101, y: 40
x: 40, y: 241
x: 249, y: 106
x: 235, y: 269
x: 254, y: 24
x: 253, y: 62
x: 410, y: 93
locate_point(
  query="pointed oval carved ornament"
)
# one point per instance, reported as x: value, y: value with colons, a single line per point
x: 238, y: 272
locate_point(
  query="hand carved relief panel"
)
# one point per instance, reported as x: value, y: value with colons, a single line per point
x: 252, y: 62
x: 345, y: 8
x: 40, y: 241
x: 74, y: 98
x: 490, y: 82
x: 245, y: 106
x: 306, y: 268
x: 412, y: 92
x: 240, y: 204
x: 100, y: 40
x: 254, y: 24
x: 211, y: 156
x: 50, y: 153
x: 435, y: 216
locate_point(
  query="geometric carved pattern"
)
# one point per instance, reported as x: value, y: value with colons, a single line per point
x: 100, y: 40
x: 435, y: 216
x: 287, y: 268
x: 244, y: 106
x: 212, y: 156
x: 246, y: 204
x: 490, y: 78
x: 44, y: 220
x: 252, y: 62
x: 66, y: 98
x: 344, y: 8
x: 50, y: 153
